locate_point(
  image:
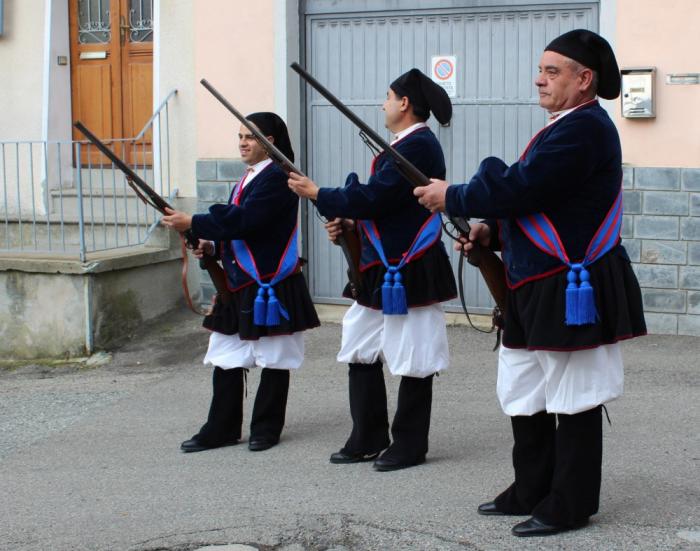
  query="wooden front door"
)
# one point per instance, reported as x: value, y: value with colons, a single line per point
x: 112, y: 73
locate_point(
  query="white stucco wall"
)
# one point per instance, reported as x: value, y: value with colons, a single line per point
x: 21, y: 70
x: 664, y: 35
x: 175, y: 69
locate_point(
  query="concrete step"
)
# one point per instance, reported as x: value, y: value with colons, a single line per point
x: 99, y: 209
x: 67, y: 263
x: 56, y: 237
x: 109, y: 203
x: 107, y: 171
x: 96, y: 301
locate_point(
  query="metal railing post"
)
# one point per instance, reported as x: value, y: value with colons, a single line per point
x: 167, y: 138
x: 60, y: 195
x: 79, y: 191
x: 19, y: 195
x: 31, y: 183
x: 49, y: 202
x: 4, y: 192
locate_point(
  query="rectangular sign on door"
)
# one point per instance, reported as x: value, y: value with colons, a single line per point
x: 444, y: 72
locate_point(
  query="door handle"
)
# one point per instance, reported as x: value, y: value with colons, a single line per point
x: 123, y: 28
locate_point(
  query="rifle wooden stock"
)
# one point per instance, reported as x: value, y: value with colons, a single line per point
x: 483, y: 258
x: 348, y: 241
x: 218, y: 278
x: 492, y: 270
x: 149, y: 196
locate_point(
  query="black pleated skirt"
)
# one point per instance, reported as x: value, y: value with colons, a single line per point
x: 236, y: 317
x: 536, y: 311
x: 427, y: 280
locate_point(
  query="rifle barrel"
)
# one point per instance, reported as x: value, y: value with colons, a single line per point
x: 415, y: 176
x: 158, y: 201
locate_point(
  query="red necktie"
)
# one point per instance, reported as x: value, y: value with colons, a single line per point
x: 239, y: 189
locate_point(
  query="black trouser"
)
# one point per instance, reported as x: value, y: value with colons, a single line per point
x: 368, y: 409
x: 270, y: 404
x: 557, y: 467
x: 226, y: 410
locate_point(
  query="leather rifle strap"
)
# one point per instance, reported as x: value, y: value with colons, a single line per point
x: 185, y: 288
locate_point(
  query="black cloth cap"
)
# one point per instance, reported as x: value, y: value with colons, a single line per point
x: 271, y: 124
x: 593, y: 51
x: 424, y: 94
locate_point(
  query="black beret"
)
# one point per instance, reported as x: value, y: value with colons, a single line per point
x: 594, y: 52
x: 424, y: 93
x: 271, y: 124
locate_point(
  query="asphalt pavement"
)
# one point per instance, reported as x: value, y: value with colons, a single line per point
x: 90, y: 459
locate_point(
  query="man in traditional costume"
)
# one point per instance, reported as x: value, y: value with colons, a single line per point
x: 397, y: 318
x: 255, y: 236
x: 556, y: 215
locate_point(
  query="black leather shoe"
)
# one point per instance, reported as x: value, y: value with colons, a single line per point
x: 261, y: 444
x: 489, y: 509
x: 343, y: 457
x: 535, y: 527
x: 391, y: 464
x: 194, y: 445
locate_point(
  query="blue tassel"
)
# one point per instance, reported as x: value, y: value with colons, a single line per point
x: 572, y: 298
x: 260, y: 308
x: 273, y: 309
x: 586, y: 300
x: 398, y: 295
x: 387, y: 295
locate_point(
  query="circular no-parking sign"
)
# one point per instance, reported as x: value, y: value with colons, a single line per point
x: 444, y: 69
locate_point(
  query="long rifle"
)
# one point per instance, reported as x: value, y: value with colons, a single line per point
x: 149, y: 196
x: 489, y: 264
x: 348, y: 240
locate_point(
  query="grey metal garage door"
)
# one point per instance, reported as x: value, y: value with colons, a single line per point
x: 356, y: 54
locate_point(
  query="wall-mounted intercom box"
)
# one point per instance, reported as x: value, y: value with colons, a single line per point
x: 638, y: 92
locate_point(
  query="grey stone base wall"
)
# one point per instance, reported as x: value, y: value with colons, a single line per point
x: 661, y: 232
x: 53, y: 308
x: 215, y: 180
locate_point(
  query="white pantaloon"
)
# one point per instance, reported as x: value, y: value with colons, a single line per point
x: 558, y: 382
x: 278, y: 352
x: 413, y: 345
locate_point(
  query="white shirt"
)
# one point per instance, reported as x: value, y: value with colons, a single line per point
x: 558, y: 115
x: 250, y: 174
x: 554, y: 116
x: 254, y: 170
x: 406, y: 131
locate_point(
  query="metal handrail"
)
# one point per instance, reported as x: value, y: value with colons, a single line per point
x: 39, y: 212
x: 155, y: 114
